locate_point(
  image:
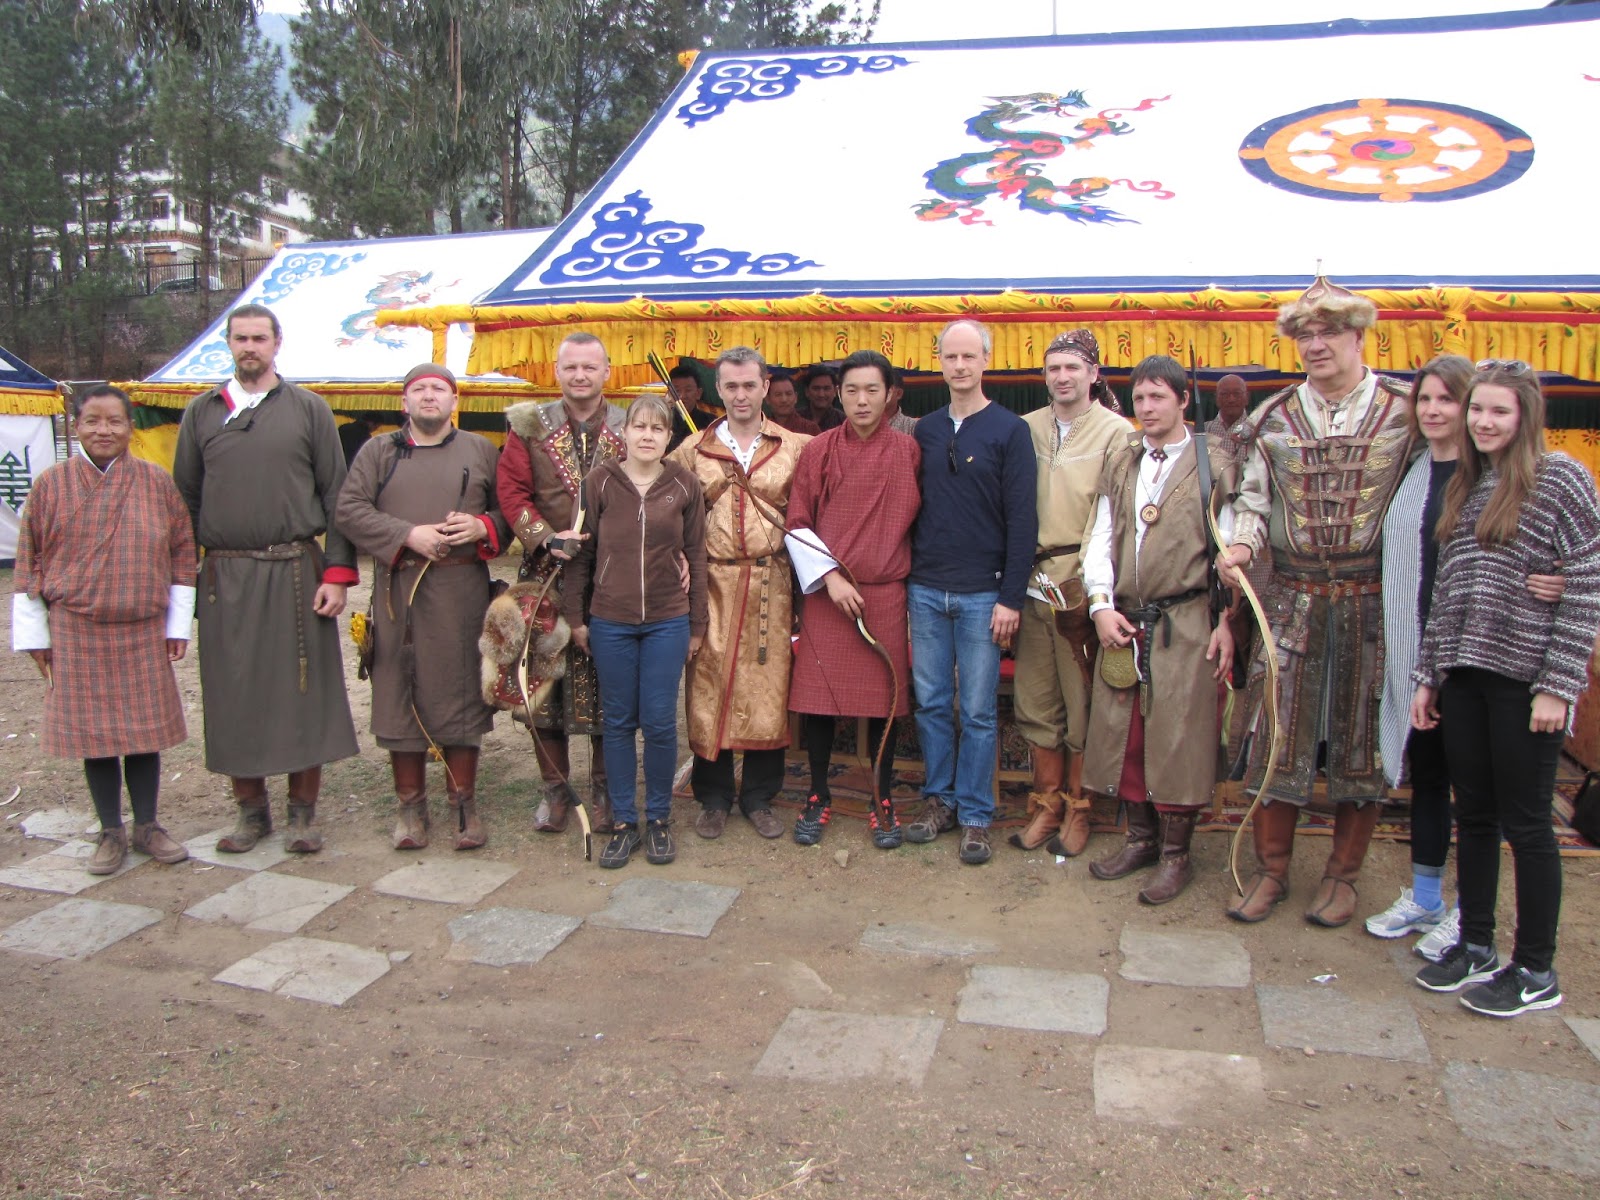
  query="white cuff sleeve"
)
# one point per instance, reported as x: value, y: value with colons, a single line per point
x: 810, y: 564
x: 1099, y: 575
x: 180, y: 613
x: 30, y: 623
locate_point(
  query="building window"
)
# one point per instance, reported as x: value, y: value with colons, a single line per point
x: 156, y: 208
x: 277, y: 191
x: 277, y: 235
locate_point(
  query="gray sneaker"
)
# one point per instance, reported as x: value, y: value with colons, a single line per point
x: 936, y: 817
x: 1460, y: 967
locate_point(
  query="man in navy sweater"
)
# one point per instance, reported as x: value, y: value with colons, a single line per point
x: 971, y: 551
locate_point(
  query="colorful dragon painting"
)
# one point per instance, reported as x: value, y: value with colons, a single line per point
x: 1015, y: 165
x: 394, y: 290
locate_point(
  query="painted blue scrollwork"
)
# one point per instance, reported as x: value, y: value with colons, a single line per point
x: 211, y: 361
x: 625, y: 245
x: 297, y: 267
x: 751, y: 79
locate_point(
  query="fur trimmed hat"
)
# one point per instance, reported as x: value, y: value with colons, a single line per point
x: 1338, y: 308
x: 427, y: 369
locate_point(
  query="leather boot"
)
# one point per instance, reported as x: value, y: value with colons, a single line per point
x: 602, y: 818
x: 1273, y: 827
x: 554, y: 770
x: 1074, y: 835
x: 301, y: 837
x: 410, y: 769
x: 1335, y: 901
x: 461, y: 767
x: 1142, y: 848
x: 1173, y: 872
x: 255, y: 817
x: 1045, y: 801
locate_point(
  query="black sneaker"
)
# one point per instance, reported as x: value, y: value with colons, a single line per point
x: 886, y: 831
x: 936, y: 817
x: 620, y: 848
x: 808, y: 826
x: 1514, y: 990
x: 658, y: 847
x: 1458, y: 968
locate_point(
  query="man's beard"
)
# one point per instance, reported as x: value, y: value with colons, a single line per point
x: 248, y: 374
x: 429, y: 426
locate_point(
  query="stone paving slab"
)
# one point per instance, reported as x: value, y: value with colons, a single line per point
x: 832, y: 1047
x: 1034, y: 998
x: 1587, y: 1030
x: 1199, y: 959
x: 1536, y: 1119
x: 506, y: 937
x: 446, y: 880
x: 62, y: 870
x: 77, y: 928
x: 308, y: 969
x: 1326, y: 1019
x: 270, y: 902
x: 1174, y: 1087
x: 665, y: 906
x: 268, y: 852
x: 59, y: 824
x: 927, y: 941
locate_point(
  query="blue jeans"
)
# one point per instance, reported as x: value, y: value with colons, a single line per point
x: 950, y: 642
x: 639, y: 668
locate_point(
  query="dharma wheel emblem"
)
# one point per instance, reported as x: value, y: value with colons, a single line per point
x: 1393, y: 150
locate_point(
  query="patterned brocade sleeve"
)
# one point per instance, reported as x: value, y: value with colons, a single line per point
x: 1575, y: 511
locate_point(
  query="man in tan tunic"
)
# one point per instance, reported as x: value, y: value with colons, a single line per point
x: 738, y: 687
x: 549, y: 448
x: 1148, y: 571
x: 1055, y: 642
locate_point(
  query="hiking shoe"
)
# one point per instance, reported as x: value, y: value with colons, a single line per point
x: 975, y: 849
x: 766, y: 823
x: 808, y: 826
x: 620, y: 848
x: 711, y: 822
x: 1458, y: 967
x: 936, y: 817
x: 886, y: 830
x: 1405, y: 916
x: 1445, y: 934
x: 1512, y: 991
x: 109, y: 852
x: 658, y: 847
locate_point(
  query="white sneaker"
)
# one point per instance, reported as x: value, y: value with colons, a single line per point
x: 1404, y: 916
x: 1446, y: 934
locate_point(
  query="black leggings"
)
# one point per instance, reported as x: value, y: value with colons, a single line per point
x: 105, y: 776
x: 819, y: 729
x: 1430, y: 797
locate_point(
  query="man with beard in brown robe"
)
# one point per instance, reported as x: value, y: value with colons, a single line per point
x: 422, y: 502
x: 550, y: 446
x: 260, y: 467
x: 739, y: 682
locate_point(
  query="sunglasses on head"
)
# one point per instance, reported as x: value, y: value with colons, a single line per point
x: 1511, y: 366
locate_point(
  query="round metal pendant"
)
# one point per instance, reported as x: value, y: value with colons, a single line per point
x: 1150, y: 514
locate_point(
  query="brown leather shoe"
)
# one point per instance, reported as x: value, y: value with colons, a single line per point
x: 110, y: 852
x: 935, y: 818
x: 711, y: 822
x: 302, y: 837
x: 1335, y: 901
x: 551, y: 815
x: 461, y: 777
x: 410, y: 770
x: 1045, y: 801
x: 1174, y: 871
x: 1273, y: 828
x: 1073, y: 839
x: 766, y: 823
x: 1141, y: 849
x: 975, y: 849
x: 601, y: 818
x: 255, y: 817
x: 155, y: 841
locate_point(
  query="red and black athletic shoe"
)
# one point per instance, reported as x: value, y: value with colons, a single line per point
x: 808, y: 827
x: 886, y: 831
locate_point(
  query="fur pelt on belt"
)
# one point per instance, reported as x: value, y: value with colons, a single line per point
x: 520, y: 617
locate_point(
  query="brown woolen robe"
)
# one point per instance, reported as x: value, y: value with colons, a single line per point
x: 269, y: 477
x: 392, y: 487
x: 1181, y: 729
x: 102, y: 550
x: 738, y: 686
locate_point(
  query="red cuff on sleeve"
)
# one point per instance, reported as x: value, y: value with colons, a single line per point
x: 490, y: 546
x: 345, y: 576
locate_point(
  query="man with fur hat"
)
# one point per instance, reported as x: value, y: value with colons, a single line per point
x: 1055, y: 641
x: 550, y: 446
x: 422, y: 502
x: 1323, y: 460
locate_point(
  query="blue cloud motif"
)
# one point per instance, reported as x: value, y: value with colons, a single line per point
x: 211, y: 361
x: 624, y: 245
x: 299, y: 266
x: 751, y: 79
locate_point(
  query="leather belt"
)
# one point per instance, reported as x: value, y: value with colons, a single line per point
x: 280, y: 552
x: 1050, y: 552
x: 411, y: 560
x: 766, y: 560
x: 1334, y: 589
x: 1147, y: 618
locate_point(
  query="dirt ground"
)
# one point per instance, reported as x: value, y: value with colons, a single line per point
x: 621, y: 1065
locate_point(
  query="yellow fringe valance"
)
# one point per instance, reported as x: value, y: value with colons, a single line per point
x: 1554, y: 331
x: 353, y: 397
x: 21, y: 402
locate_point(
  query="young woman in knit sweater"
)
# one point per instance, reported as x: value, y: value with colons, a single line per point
x: 1499, y: 672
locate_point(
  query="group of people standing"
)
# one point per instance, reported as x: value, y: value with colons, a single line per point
x: 1430, y: 609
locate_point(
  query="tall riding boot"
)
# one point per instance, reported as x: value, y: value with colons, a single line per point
x: 410, y: 769
x: 601, y: 818
x: 554, y: 769
x: 1274, y: 835
x: 1074, y: 834
x: 1173, y: 872
x: 1335, y: 902
x: 302, y: 837
x: 461, y: 770
x: 1045, y: 801
x: 255, y: 817
x: 1142, y: 848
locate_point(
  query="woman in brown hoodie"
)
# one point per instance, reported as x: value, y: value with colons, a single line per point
x: 636, y: 620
